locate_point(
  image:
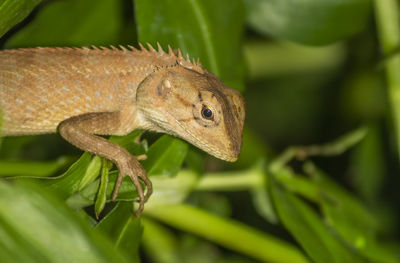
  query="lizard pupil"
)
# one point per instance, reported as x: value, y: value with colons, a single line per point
x: 207, y: 113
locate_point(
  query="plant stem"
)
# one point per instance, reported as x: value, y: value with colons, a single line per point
x: 387, y: 19
x: 159, y: 242
x: 333, y: 148
x: 231, y: 181
x: 228, y: 233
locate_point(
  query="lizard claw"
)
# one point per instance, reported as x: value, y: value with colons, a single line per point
x: 135, y: 171
x: 149, y: 186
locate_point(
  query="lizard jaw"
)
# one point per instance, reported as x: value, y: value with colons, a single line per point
x: 206, y: 146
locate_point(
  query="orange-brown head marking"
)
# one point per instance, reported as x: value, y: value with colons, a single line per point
x: 195, y: 105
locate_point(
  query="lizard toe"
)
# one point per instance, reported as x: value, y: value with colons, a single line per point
x: 117, y: 186
x: 149, y: 186
x: 134, y: 170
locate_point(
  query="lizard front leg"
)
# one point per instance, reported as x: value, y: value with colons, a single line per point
x: 80, y: 131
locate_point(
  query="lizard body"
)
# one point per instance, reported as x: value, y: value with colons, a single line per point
x: 85, y: 92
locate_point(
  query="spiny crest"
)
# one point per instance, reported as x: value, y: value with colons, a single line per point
x: 174, y: 56
x: 171, y: 56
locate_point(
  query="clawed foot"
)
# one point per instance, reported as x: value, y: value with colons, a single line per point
x: 134, y: 170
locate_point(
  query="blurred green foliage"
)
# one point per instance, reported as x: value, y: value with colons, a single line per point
x: 333, y: 201
x: 309, y: 21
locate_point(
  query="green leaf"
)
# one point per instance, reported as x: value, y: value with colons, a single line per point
x: 123, y: 229
x: 167, y: 190
x: 69, y: 182
x: 337, y: 198
x: 263, y: 204
x: 131, y: 142
x: 72, y: 23
x: 321, y: 243
x: 13, y: 12
x: 36, y: 227
x: 312, y: 22
x: 348, y: 216
x: 227, y: 233
x: 101, y: 197
x: 368, y: 165
x: 206, y: 29
x: 91, y: 173
x: 87, y: 196
x: 260, y: 193
x: 31, y: 168
x: 165, y: 156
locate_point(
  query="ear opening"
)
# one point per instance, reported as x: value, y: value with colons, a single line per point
x: 151, y: 86
x: 164, y: 88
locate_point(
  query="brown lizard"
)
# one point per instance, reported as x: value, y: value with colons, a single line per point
x: 85, y: 92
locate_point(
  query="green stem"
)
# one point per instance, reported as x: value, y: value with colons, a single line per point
x: 231, y: 181
x: 298, y: 184
x: 387, y: 19
x: 336, y: 147
x: 279, y: 162
x: 159, y: 243
x: 253, y: 178
x: 228, y: 233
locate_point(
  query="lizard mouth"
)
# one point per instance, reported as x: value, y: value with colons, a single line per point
x: 210, y: 149
x: 213, y: 151
x: 226, y: 157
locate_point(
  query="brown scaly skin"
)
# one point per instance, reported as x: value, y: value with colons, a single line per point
x: 85, y: 92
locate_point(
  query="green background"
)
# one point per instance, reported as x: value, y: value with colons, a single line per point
x: 320, y: 73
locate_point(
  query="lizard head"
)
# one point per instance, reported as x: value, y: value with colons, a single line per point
x: 195, y: 106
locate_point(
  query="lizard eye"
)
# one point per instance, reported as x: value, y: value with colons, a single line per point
x: 207, y: 113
